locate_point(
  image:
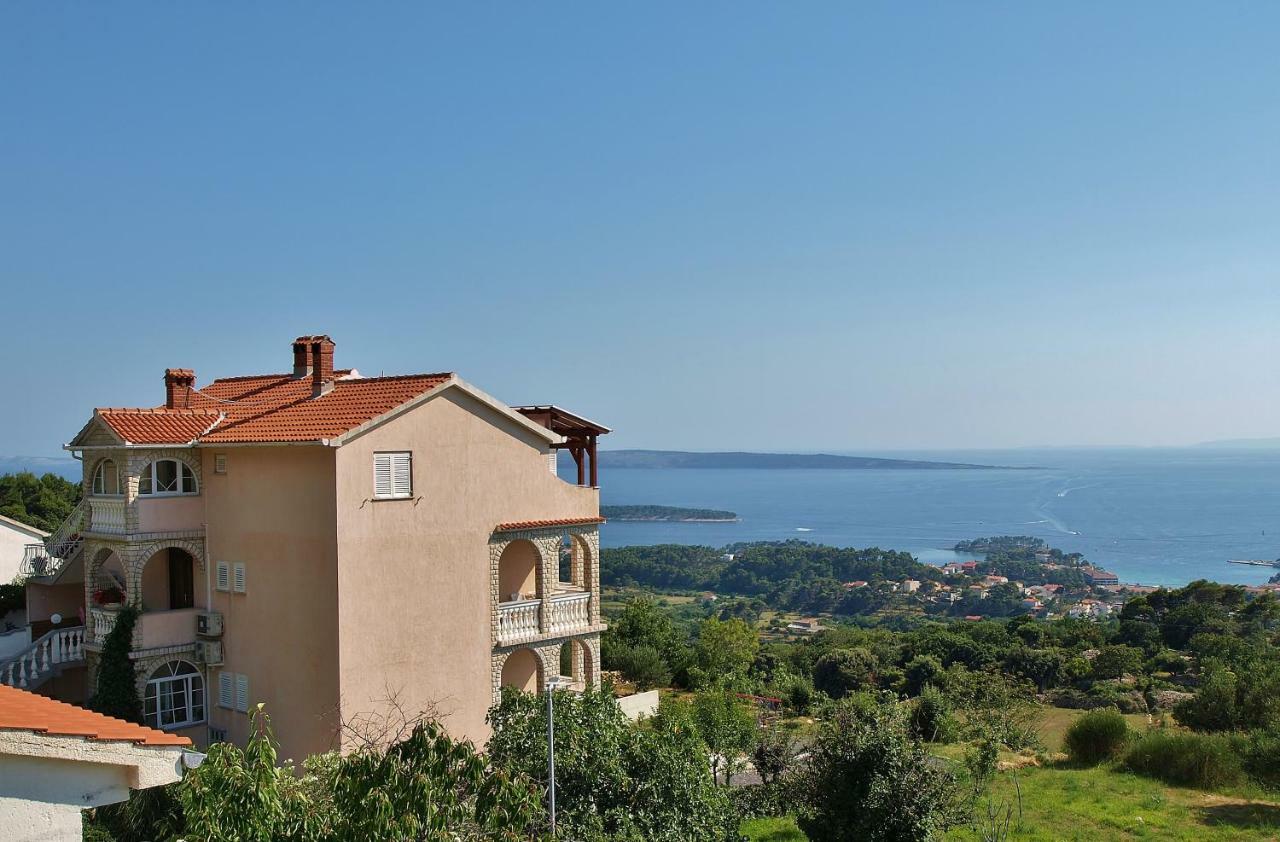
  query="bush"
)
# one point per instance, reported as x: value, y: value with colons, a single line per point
x: 1096, y: 736
x: 932, y: 719
x: 1262, y: 758
x: 1203, y: 761
x: 843, y: 671
x: 642, y: 665
x: 868, y: 779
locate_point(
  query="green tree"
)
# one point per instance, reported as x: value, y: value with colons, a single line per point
x: 727, y: 726
x: 614, y: 780
x: 1213, y: 708
x: 116, y: 691
x: 43, y: 502
x: 922, y: 671
x: 868, y: 779
x: 641, y: 665
x: 725, y: 649
x: 843, y: 671
x: 1115, y: 661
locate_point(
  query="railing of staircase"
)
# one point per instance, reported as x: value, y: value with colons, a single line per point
x: 47, y: 558
x: 52, y: 650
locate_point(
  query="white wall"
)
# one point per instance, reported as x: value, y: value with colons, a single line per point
x: 14, y: 538
x: 41, y: 798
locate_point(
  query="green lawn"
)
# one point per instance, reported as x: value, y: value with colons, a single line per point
x: 772, y: 830
x: 1092, y: 805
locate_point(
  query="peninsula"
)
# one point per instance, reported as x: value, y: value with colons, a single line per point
x: 669, y: 514
x: 686, y: 459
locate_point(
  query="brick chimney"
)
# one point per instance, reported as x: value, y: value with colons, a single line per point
x: 301, y: 352
x: 321, y: 365
x: 178, y: 383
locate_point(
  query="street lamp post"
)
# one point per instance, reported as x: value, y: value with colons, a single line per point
x: 552, y: 685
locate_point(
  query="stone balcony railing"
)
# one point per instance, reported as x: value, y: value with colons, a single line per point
x: 518, y: 621
x: 524, y: 619
x: 568, y: 613
x: 107, y: 515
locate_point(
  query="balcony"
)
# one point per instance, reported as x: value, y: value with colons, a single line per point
x: 106, y: 515
x: 569, y: 612
x: 154, y: 629
x: 518, y: 621
x: 522, y: 620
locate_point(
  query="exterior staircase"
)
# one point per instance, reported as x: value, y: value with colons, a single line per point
x: 46, y: 559
x: 45, y: 658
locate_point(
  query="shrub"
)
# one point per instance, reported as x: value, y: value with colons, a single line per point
x: 1262, y: 758
x: 843, y: 671
x: 1096, y: 736
x: 932, y: 719
x: 642, y: 665
x: 868, y: 779
x: 116, y: 693
x: 1214, y: 707
x: 1204, y: 761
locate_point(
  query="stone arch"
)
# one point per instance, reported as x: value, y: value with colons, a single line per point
x: 145, y: 552
x: 520, y: 571
x: 166, y: 580
x: 523, y: 669
x: 106, y: 565
x: 139, y: 459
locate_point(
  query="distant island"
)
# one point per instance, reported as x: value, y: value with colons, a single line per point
x: 685, y: 459
x: 666, y: 513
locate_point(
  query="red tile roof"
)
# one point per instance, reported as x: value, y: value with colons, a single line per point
x: 25, y: 711
x: 270, y: 408
x: 158, y: 426
x: 543, y: 524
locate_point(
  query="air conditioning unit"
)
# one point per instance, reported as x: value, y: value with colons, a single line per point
x: 209, y: 652
x: 209, y: 624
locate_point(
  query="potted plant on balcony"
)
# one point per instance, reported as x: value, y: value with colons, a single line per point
x: 110, y: 596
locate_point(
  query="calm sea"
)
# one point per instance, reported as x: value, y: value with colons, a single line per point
x: 1152, y: 516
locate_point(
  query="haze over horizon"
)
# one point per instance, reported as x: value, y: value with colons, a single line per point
x: 720, y: 227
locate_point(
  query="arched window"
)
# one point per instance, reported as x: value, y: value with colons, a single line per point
x: 167, y: 476
x: 175, y: 696
x: 106, y: 479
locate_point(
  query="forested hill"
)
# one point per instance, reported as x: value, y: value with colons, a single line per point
x: 686, y: 459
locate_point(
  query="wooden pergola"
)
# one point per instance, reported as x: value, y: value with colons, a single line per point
x: 579, y: 433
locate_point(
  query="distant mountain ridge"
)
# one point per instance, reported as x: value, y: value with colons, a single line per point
x: 39, y: 465
x: 1243, y: 444
x: 740, y: 459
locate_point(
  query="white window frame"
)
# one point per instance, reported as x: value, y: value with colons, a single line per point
x: 242, y: 692
x: 238, y: 577
x: 223, y: 580
x: 192, y: 684
x: 150, y: 476
x: 100, y: 480
x: 397, y: 465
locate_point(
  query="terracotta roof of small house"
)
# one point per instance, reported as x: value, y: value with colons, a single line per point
x: 24, y: 711
x: 545, y: 524
x: 269, y: 408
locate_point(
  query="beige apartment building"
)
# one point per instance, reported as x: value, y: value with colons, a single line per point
x: 322, y: 542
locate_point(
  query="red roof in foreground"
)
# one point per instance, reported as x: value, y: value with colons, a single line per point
x: 21, y: 710
x: 543, y: 524
x: 269, y: 408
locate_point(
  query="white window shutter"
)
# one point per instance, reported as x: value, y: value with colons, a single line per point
x: 237, y: 581
x: 401, y: 475
x: 224, y: 576
x: 382, y: 475
x: 242, y: 693
x: 226, y: 694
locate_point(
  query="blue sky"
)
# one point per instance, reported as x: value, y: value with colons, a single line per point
x: 810, y: 226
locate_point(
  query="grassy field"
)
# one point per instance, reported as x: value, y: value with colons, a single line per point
x: 1063, y: 803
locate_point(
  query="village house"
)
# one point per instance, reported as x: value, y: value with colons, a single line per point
x: 325, y: 543
x: 808, y: 625
x: 1098, y: 576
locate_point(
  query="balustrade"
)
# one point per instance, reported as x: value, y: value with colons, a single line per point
x: 38, y: 661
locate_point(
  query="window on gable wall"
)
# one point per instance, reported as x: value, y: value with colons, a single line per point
x: 167, y: 477
x: 392, y: 476
x: 106, y: 479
